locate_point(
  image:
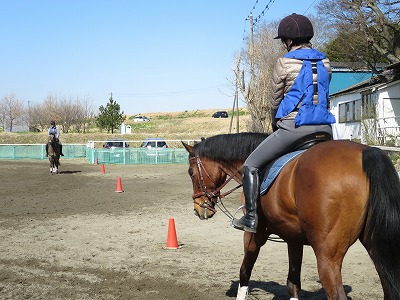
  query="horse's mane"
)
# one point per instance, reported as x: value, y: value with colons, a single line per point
x: 229, y: 147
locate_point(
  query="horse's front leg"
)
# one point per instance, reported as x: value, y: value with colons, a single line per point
x: 56, y: 164
x: 295, y: 252
x: 252, y: 244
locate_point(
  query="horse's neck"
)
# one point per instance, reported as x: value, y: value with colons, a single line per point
x: 233, y: 169
x: 53, y: 146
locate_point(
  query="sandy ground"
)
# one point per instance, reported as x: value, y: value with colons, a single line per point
x: 71, y: 236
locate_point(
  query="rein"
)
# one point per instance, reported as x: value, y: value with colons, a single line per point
x: 214, y: 196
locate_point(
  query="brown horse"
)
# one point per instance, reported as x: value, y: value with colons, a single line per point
x: 327, y: 197
x: 54, y: 154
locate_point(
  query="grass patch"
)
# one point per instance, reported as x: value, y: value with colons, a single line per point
x: 187, y: 114
x: 141, y: 125
x: 163, y: 117
x: 187, y: 125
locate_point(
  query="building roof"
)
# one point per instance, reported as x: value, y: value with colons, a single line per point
x: 390, y: 74
x: 355, y: 67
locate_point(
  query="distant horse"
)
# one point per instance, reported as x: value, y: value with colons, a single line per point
x: 54, y: 154
x: 327, y: 197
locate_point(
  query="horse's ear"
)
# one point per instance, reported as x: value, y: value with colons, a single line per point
x: 187, y: 147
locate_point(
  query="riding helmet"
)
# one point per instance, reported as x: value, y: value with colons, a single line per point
x: 294, y: 27
x: 53, y: 123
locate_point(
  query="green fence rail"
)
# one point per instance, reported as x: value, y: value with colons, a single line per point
x: 38, y: 151
x: 99, y: 155
x: 130, y: 156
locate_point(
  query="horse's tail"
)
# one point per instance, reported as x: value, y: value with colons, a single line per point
x: 382, y: 228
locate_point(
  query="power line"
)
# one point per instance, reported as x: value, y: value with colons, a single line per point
x: 309, y: 7
x: 254, y: 7
x: 182, y: 92
x: 244, y: 30
x: 267, y: 7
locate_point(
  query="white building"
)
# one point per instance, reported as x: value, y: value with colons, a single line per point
x: 370, y: 110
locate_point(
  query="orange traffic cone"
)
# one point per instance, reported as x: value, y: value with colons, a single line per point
x: 96, y: 162
x: 119, y: 186
x: 103, y: 170
x: 172, y: 241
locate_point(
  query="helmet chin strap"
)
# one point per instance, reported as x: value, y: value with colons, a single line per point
x: 288, y: 43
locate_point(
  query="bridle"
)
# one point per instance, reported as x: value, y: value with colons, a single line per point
x: 213, y: 196
x: 52, y: 139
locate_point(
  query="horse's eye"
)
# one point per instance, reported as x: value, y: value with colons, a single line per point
x: 190, y: 171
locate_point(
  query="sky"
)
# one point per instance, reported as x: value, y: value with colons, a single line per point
x: 153, y: 56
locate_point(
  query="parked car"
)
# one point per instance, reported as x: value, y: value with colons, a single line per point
x: 220, y: 114
x: 115, y: 143
x: 140, y: 119
x: 154, y: 143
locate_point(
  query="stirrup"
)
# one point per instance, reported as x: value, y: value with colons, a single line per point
x: 242, y: 226
x: 234, y: 215
x: 234, y: 218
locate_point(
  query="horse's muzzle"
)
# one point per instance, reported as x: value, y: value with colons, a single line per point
x: 203, y: 211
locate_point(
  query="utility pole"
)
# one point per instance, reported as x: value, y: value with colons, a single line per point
x: 235, y: 104
x: 251, y: 54
x: 29, y: 116
x: 237, y: 109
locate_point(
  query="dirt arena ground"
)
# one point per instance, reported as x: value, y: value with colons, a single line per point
x: 71, y: 236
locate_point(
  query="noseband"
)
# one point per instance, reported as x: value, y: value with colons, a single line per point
x: 215, y: 195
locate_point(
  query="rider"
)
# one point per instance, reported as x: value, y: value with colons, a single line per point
x: 54, y: 130
x: 295, y: 32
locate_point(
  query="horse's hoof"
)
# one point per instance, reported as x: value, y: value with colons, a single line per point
x: 242, y: 292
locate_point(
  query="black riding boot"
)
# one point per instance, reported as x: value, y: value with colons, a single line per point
x: 61, y: 151
x: 47, y: 149
x: 251, y: 189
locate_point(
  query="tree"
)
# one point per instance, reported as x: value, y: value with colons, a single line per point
x: 83, y: 114
x: 256, y: 64
x: 366, y: 30
x: 12, y: 112
x: 69, y: 113
x: 110, y: 117
x: 38, y: 118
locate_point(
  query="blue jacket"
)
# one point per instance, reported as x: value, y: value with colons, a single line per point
x: 304, y: 89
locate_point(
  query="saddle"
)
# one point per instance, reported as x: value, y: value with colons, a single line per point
x: 272, y: 170
x: 310, y: 140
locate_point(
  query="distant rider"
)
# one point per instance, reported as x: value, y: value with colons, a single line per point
x: 54, y: 130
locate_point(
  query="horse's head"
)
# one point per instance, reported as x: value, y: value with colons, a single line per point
x: 207, y: 178
x: 52, y: 138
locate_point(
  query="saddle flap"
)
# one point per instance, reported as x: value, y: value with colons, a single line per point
x: 274, y: 168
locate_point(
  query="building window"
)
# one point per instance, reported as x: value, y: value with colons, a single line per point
x: 368, y: 106
x: 342, y: 113
x: 357, y: 110
x: 350, y: 111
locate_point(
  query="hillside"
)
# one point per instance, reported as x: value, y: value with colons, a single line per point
x: 186, y: 125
